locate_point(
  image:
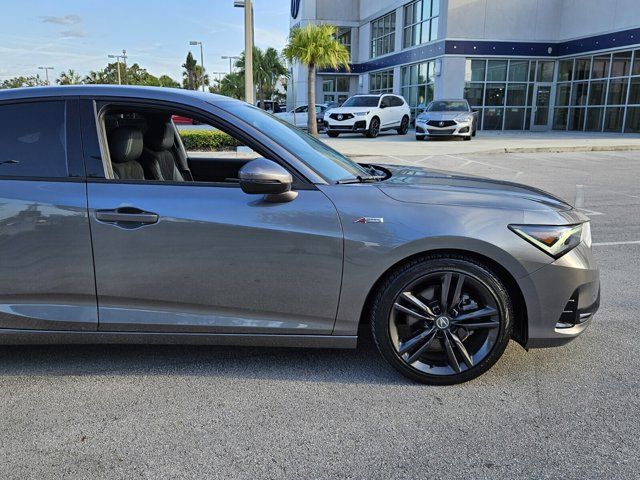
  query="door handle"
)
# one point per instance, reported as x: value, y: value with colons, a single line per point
x: 127, y: 215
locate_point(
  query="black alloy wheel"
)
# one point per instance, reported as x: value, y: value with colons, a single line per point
x: 374, y: 128
x: 404, y: 126
x: 442, y: 320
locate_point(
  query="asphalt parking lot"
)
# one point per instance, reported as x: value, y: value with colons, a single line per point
x: 205, y: 412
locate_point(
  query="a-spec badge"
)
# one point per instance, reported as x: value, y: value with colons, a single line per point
x: 369, y: 220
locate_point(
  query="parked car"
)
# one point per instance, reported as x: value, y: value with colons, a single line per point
x: 299, y: 116
x: 370, y: 115
x: 112, y: 232
x: 449, y: 118
x: 270, y: 106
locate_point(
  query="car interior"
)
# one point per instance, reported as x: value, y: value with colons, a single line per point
x: 144, y: 145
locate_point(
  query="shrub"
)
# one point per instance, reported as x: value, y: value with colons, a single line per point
x: 207, y: 140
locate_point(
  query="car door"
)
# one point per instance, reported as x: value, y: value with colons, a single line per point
x: 386, y: 112
x: 301, y: 117
x: 46, y: 263
x: 207, y: 258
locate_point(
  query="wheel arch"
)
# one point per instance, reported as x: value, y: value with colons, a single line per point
x: 520, y: 330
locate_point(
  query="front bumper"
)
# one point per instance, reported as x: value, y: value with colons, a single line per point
x: 561, y: 298
x: 460, y: 129
x: 355, y: 124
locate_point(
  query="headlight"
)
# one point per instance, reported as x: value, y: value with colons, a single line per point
x: 361, y: 114
x: 554, y: 240
x: 463, y: 117
x: 422, y: 118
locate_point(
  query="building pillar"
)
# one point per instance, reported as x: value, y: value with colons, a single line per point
x: 450, y: 82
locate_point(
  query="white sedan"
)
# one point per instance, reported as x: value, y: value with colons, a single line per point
x: 299, y: 116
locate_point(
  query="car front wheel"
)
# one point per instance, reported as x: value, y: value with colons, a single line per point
x: 374, y: 128
x: 332, y: 134
x: 419, y: 137
x: 442, y: 320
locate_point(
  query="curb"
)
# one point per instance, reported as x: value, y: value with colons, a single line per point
x: 559, y: 149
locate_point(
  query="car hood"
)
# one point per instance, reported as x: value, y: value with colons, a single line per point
x: 441, y: 115
x: 350, y: 110
x: 420, y: 185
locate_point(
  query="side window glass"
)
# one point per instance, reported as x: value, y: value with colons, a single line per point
x: 384, y: 102
x: 33, y: 140
x: 396, y: 101
x: 161, y: 146
x: 301, y: 109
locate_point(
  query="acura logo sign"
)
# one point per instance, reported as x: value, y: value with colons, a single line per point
x: 295, y: 8
x: 441, y: 124
x: 340, y: 117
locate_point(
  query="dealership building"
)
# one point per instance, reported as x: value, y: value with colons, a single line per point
x: 523, y: 64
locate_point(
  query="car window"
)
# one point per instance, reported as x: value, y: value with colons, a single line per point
x: 362, y: 101
x: 448, y: 106
x: 385, y: 102
x: 301, y: 109
x: 319, y: 109
x: 33, y: 140
x: 327, y: 162
x: 396, y: 102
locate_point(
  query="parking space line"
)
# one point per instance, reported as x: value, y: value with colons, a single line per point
x: 517, y: 172
x: 606, y: 244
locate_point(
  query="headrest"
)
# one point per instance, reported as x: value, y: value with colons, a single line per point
x: 160, y: 137
x: 125, y: 144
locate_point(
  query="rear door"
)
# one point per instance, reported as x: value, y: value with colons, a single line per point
x: 387, y: 117
x: 46, y: 265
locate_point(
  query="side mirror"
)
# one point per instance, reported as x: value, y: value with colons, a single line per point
x: 265, y: 177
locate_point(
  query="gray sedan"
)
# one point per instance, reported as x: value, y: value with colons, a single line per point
x: 113, y: 230
x: 447, y: 118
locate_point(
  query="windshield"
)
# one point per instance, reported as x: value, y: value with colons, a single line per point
x: 362, y: 101
x: 443, y: 106
x: 328, y: 163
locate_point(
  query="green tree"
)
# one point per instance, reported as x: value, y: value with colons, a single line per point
x: 22, y: 81
x: 70, y: 77
x: 189, y: 74
x: 316, y: 46
x: 231, y: 85
x: 268, y: 68
x: 167, y: 81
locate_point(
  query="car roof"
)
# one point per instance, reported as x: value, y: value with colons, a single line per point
x: 148, y: 93
x: 450, y: 100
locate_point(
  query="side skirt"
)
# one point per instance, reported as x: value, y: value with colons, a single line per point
x: 44, y: 337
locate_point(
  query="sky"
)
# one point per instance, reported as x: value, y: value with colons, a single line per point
x: 79, y: 34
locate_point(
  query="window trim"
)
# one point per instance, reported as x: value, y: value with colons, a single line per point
x: 429, y: 20
x: 391, y: 34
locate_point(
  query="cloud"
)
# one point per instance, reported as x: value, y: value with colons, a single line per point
x: 63, y: 20
x: 73, y: 33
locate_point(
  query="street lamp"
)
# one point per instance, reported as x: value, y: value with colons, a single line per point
x: 248, y: 48
x: 231, y: 59
x: 193, y: 42
x: 118, y: 58
x: 46, y: 72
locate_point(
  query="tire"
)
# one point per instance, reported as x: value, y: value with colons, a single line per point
x: 473, y: 132
x: 333, y: 134
x: 467, y: 138
x: 443, y: 334
x: 420, y: 138
x: 374, y: 128
x: 404, y: 126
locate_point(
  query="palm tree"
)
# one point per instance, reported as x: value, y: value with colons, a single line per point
x: 70, y: 77
x: 267, y: 69
x: 189, y: 73
x: 316, y: 46
x: 231, y: 85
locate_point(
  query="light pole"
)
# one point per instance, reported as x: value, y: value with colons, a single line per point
x: 46, y: 72
x: 231, y: 59
x: 118, y: 57
x: 193, y: 42
x: 248, y: 48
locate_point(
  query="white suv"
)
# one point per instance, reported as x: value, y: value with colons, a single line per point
x: 368, y: 114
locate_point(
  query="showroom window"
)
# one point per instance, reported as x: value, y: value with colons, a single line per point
x: 418, y: 86
x: 420, y: 22
x: 343, y: 35
x: 599, y: 93
x: 335, y: 89
x: 383, y: 35
x: 381, y: 82
x: 501, y: 90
